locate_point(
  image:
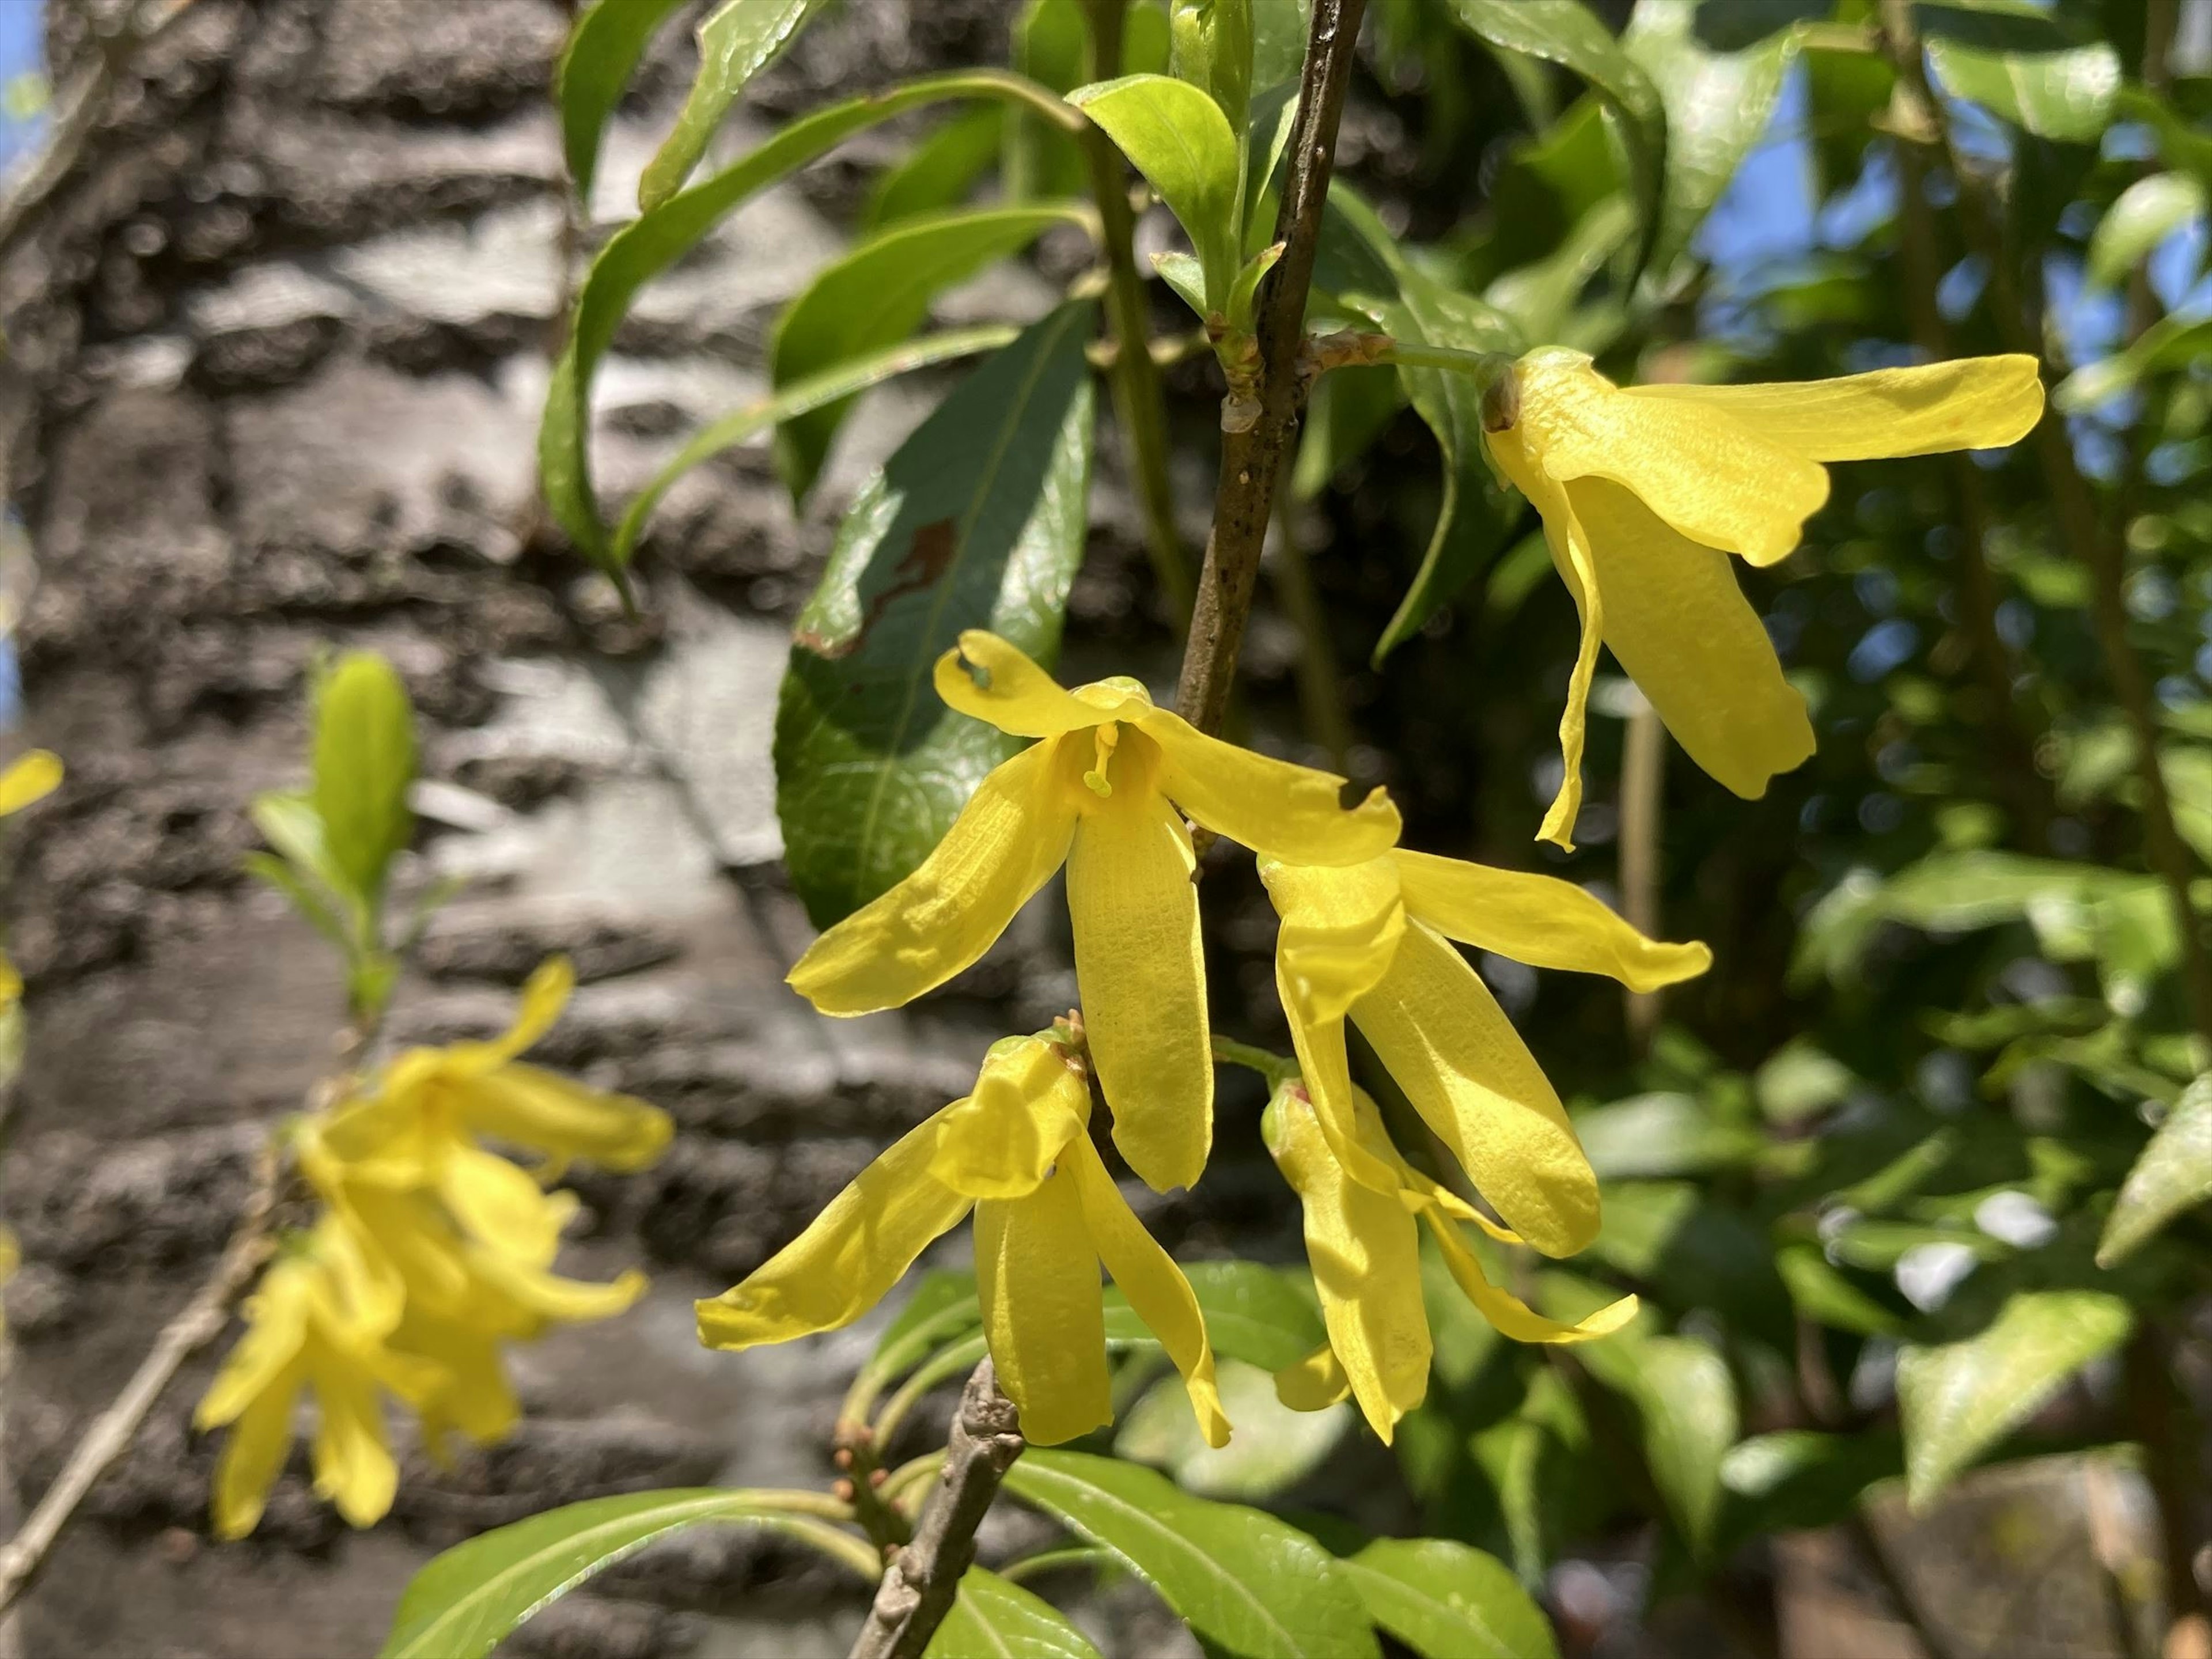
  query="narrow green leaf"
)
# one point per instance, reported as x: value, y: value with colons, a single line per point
x: 1209, y: 47
x: 875, y: 296
x: 1687, y: 1398
x: 994, y: 1618
x: 2174, y: 1174
x: 596, y: 65
x: 1249, y: 1585
x: 1958, y: 1399
x: 2148, y: 212
x: 737, y: 41
x: 1449, y: 1601
x: 295, y: 886
x: 287, y: 821
x: 977, y: 521
x: 464, y: 1604
x: 940, y: 1296
x: 2020, y: 61
x: 1178, y: 138
x: 939, y: 171
x: 364, y: 763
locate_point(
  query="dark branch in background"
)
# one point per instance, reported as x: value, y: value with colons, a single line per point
x: 1251, y: 458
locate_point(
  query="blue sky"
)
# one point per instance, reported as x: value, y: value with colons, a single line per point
x: 19, y: 54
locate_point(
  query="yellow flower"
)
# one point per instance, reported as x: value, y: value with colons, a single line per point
x: 1017, y: 1152
x: 1100, y: 793
x: 1645, y: 490
x: 318, y: 1321
x: 1372, y: 942
x: 1365, y: 1249
x: 29, y: 778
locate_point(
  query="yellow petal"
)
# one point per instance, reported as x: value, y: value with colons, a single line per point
x: 1037, y: 1275
x: 543, y: 996
x: 1141, y: 974
x: 470, y: 1392
x: 276, y: 1335
x: 1156, y: 1287
x: 1975, y: 402
x: 1325, y: 1074
x: 1442, y: 1035
x: 11, y: 983
x: 30, y: 777
x: 549, y: 1113
x: 548, y: 1298
x: 1341, y: 928
x: 853, y: 1252
x: 1714, y: 478
x: 1315, y: 1383
x: 500, y: 1206
x: 1539, y: 920
x: 1682, y: 629
x: 1005, y: 845
x: 1290, y: 812
x: 1512, y: 1316
x: 254, y: 1454
x: 354, y: 1468
x: 1017, y: 697
x: 1001, y: 1141
x: 1364, y: 1250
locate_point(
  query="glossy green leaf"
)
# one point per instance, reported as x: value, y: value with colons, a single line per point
x: 466, y: 1600
x: 1178, y: 138
x: 1278, y: 41
x: 1567, y: 33
x: 2018, y: 60
x: 939, y: 171
x: 364, y: 763
x: 737, y: 41
x: 1958, y: 1399
x: 1210, y: 47
x: 977, y: 521
x: 1449, y: 1601
x: 602, y: 54
x: 1273, y: 1449
x: 2174, y: 1174
x: 1266, y: 1316
x: 875, y: 296
x: 2148, y: 212
x: 648, y: 246
x: 1249, y: 1585
x: 993, y: 1618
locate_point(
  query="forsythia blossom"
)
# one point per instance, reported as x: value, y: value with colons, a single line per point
x: 1644, y: 491
x: 1101, y: 793
x: 432, y: 1250
x: 1017, y: 1152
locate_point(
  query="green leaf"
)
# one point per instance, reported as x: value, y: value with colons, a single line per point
x: 289, y: 822
x: 1273, y: 1449
x: 2174, y: 1174
x: 1958, y: 1399
x: 294, y: 886
x: 1278, y: 42
x: 364, y: 764
x: 1649, y: 1136
x: 1796, y: 1480
x: 1449, y: 1601
x: 1820, y: 1291
x: 993, y: 1618
x: 464, y: 1601
x: 2016, y: 59
x: 641, y: 250
x: 596, y: 65
x: 736, y: 42
x: 2148, y: 212
x: 977, y: 521
x: 875, y: 296
x: 1178, y: 138
x: 1267, y: 1316
x: 1566, y: 32
x: 1687, y: 1398
x: 939, y: 171
x: 1249, y: 1586
x: 1210, y: 47
x: 943, y: 1304
x: 2172, y: 342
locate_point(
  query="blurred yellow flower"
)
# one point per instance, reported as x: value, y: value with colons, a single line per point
x: 1365, y: 1249
x: 1372, y: 942
x: 1101, y: 793
x: 29, y: 778
x: 1646, y: 489
x: 1018, y: 1151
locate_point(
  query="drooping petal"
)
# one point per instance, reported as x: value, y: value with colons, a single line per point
x: 1036, y: 1276
x: 1974, y: 403
x: 1716, y: 479
x: 1512, y: 1316
x: 30, y: 777
x: 546, y: 1298
x: 1681, y: 626
x: 1539, y: 920
x: 1017, y: 697
x: 1156, y: 1287
x: 543, y: 996
x: 847, y: 1258
x: 1341, y: 928
x: 276, y: 1334
x: 1444, y: 1039
x: 1365, y: 1249
x: 469, y: 1392
x: 1001, y: 1141
x: 549, y: 1113
x: 500, y: 1206
x: 254, y: 1454
x: 1287, y: 812
x: 1005, y: 845
x: 1142, y: 973
x: 354, y: 1466
x: 1325, y: 1070
x: 1315, y: 1383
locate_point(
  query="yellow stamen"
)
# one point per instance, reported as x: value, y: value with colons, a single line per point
x: 1105, y: 737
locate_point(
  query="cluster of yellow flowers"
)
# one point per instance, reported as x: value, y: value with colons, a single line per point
x: 430, y: 1251
x: 1643, y: 494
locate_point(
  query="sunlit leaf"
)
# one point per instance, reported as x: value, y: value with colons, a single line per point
x: 2174, y: 1174
x: 603, y: 53
x: 738, y: 38
x: 1449, y: 1601
x: 993, y: 1618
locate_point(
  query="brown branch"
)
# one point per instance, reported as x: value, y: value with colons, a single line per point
x: 919, y: 1586
x: 1251, y: 457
